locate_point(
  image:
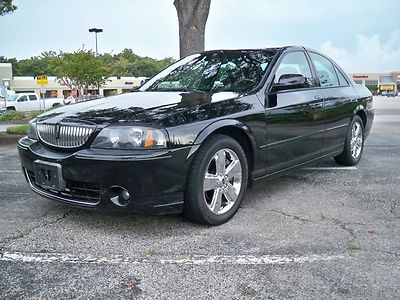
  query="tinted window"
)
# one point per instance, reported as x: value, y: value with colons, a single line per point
x: 215, y: 71
x: 295, y: 63
x: 326, y: 72
x: 342, y: 79
x: 32, y: 97
x: 23, y: 98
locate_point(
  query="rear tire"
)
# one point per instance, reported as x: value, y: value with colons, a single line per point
x: 217, y: 181
x: 354, y: 144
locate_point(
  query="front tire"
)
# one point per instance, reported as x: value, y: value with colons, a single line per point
x: 217, y: 181
x: 354, y: 144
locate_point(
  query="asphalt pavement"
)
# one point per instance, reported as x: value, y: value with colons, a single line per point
x: 323, y: 232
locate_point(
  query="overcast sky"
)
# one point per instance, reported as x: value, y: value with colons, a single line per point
x: 361, y: 35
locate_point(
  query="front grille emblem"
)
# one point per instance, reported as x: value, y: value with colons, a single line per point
x: 57, y: 130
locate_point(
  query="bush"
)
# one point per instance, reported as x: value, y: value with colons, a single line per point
x: 18, y: 129
x: 12, y: 115
x: 33, y: 114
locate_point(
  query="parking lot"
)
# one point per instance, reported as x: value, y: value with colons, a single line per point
x: 323, y: 232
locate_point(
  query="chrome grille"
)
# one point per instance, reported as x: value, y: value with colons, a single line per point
x: 65, y: 135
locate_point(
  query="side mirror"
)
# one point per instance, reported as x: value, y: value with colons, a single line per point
x: 289, y: 82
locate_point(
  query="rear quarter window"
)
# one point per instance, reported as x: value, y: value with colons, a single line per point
x: 342, y: 79
x: 32, y: 97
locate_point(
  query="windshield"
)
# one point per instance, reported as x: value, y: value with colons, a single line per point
x: 222, y: 71
x: 11, y: 97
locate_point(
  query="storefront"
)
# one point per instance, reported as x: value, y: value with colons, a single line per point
x: 378, y: 82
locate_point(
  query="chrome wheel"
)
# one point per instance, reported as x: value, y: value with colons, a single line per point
x: 222, y: 181
x: 356, y: 141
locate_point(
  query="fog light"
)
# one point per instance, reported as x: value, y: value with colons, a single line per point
x: 119, y: 196
x: 125, y: 195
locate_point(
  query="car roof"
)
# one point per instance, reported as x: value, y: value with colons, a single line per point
x: 281, y: 48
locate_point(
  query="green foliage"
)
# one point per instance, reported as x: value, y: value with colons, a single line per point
x: 18, y: 129
x: 80, y: 69
x: 34, y: 113
x: 372, y: 87
x: 128, y: 63
x: 6, y: 7
x: 12, y: 115
x: 34, y: 66
x: 125, y: 63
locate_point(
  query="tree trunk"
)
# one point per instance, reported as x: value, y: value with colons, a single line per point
x: 192, y: 18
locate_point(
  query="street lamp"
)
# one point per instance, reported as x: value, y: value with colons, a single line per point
x: 96, y: 31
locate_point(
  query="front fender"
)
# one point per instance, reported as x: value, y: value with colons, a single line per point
x: 220, y: 125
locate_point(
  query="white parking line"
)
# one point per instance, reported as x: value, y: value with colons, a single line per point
x: 189, y: 260
x: 330, y: 168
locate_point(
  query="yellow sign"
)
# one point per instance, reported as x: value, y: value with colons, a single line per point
x: 41, y: 79
x: 386, y: 87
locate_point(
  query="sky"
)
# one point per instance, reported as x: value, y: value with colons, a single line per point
x: 361, y: 35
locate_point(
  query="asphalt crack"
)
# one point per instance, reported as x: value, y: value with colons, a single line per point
x: 27, y: 232
x: 344, y: 226
x: 304, y: 220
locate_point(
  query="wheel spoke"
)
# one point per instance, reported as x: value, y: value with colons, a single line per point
x: 358, y: 142
x: 210, y: 182
x: 233, y: 169
x: 356, y: 130
x: 216, y: 201
x: 230, y: 193
x: 220, y: 158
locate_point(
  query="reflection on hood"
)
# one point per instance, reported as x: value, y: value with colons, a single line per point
x: 156, y: 108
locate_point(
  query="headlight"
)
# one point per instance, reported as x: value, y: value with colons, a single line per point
x: 130, y: 137
x: 32, y: 132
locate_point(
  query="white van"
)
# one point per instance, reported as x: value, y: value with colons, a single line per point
x: 29, y: 102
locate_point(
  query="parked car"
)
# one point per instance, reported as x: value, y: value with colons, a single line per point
x: 29, y: 102
x: 391, y: 94
x: 69, y: 100
x: 194, y: 136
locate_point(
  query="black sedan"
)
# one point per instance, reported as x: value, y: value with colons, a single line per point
x: 193, y: 137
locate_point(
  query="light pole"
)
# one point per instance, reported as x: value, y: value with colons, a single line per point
x: 96, y: 31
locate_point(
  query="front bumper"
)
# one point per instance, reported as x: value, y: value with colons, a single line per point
x: 155, y: 180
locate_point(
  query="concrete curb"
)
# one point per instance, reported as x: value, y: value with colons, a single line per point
x: 8, y: 139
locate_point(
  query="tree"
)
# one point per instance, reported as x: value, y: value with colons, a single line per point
x: 192, y: 18
x: 125, y: 63
x: 80, y: 69
x: 6, y: 7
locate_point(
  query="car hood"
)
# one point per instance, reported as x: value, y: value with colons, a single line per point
x: 155, y: 108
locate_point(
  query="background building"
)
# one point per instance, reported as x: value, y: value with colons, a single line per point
x: 386, y: 81
x: 20, y: 84
x: 379, y: 82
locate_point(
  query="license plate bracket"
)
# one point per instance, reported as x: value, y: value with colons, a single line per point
x: 49, y: 175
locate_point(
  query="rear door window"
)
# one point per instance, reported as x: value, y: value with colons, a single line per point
x: 32, y: 97
x: 325, y: 70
